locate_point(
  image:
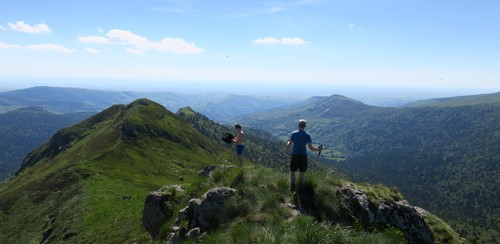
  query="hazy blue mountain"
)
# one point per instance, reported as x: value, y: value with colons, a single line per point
x: 24, y: 129
x: 223, y: 108
x: 217, y: 106
x: 65, y: 100
x: 481, y: 99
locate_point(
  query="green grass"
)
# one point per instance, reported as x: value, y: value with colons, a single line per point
x: 441, y: 231
x: 378, y: 191
x: 258, y: 213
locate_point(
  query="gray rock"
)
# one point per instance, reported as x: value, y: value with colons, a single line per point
x: 361, y: 207
x: 157, y: 209
x: 399, y: 214
x: 205, y: 212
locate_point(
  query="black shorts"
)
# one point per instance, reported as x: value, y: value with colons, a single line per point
x: 298, y: 162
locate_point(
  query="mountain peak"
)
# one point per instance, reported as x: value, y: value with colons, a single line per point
x: 343, y: 100
x: 136, y: 122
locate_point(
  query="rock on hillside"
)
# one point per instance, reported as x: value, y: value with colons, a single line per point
x: 399, y: 214
x: 201, y: 213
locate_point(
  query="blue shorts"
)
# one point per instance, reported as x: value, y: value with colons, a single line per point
x: 239, y: 149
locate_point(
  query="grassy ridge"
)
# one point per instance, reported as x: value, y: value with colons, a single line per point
x: 82, y: 186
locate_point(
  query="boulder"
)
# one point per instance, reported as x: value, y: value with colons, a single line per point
x: 157, y: 209
x: 204, y: 213
x: 399, y: 214
x: 405, y: 217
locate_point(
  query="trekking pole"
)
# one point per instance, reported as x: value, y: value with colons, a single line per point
x: 287, y: 153
x: 319, y: 153
x: 320, y: 149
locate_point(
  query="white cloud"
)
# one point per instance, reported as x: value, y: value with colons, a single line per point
x: 142, y: 44
x: 92, y: 50
x: 41, y: 47
x: 128, y: 38
x: 20, y: 26
x: 6, y: 45
x: 100, y: 30
x: 50, y: 47
x: 176, y: 45
x: 284, y: 41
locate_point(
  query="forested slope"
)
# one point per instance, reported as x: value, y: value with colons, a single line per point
x: 442, y: 158
x: 24, y: 129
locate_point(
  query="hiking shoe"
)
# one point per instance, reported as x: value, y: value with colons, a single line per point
x: 292, y: 187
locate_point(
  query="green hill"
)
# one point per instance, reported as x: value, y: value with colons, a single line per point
x: 88, y: 184
x: 124, y: 150
x: 24, y: 129
x: 482, y: 99
x: 441, y: 158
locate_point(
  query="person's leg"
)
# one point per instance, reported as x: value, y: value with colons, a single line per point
x: 302, y: 168
x: 239, y: 153
x: 301, y: 177
x: 293, y: 169
x: 292, y: 177
x: 292, y: 180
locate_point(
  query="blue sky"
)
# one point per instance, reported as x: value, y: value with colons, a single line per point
x: 160, y: 44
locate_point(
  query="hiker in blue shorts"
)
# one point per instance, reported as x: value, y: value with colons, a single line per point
x: 238, y: 140
x: 299, y: 140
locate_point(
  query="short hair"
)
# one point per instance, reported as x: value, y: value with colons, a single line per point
x: 238, y: 126
x: 302, y: 123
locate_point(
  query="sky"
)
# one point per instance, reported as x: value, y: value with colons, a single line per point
x: 301, y: 45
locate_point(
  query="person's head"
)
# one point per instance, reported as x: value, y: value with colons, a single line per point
x: 302, y: 124
x: 237, y: 126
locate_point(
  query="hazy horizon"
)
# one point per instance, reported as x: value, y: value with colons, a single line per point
x: 374, y: 95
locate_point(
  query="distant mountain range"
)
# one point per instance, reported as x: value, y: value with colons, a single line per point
x: 482, y: 99
x: 442, y: 154
x: 66, y: 100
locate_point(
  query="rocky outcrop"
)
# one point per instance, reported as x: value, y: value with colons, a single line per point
x: 158, y: 208
x: 399, y: 214
x: 204, y: 212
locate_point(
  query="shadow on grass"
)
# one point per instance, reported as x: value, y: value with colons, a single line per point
x: 305, y: 198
